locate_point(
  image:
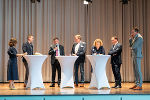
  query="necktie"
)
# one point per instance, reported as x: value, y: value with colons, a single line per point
x: 57, y: 52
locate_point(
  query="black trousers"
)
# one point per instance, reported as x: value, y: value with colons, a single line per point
x: 116, y: 72
x: 56, y: 66
x: 76, y: 67
x: 27, y: 71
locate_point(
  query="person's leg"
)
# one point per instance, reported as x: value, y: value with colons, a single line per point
x: 114, y: 73
x: 53, y: 73
x: 59, y: 72
x: 118, y: 75
x: 135, y: 71
x: 27, y: 71
x: 76, y: 66
x: 139, y: 73
x: 82, y: 72
x: 10, y: 84
x: 13, y: 84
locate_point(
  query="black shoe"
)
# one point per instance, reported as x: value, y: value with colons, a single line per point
x: 58, y: 84
x: 117, y: 86
x: 82, y: 85
x: 52, y: 85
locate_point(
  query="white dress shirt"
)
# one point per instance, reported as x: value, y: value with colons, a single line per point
x: 77, y: 47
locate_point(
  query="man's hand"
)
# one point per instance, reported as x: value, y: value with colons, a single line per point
x: 25, y: 53
x: 74, y: 55
x: 55, y: 48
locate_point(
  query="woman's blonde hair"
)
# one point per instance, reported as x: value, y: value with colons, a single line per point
x: 96, y: 41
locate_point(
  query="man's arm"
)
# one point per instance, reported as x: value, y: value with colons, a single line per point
x: 51, y: 51
x: 114, y: 52
x: 24, y: 47
x: 130, y: 42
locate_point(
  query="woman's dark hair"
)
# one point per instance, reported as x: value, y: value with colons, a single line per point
x: 12, y: 42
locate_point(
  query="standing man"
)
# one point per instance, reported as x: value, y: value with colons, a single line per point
x: 56, y: 50
x: 79, y: 49
x: 116, y: 62
x: 136, y: 42
x: 27, y: 49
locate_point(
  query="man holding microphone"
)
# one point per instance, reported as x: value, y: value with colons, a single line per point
x: 56, y: 50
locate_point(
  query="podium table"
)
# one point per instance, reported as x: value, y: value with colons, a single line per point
x: 35, y: 62
x: 67, y: 65
x: 99, y: 78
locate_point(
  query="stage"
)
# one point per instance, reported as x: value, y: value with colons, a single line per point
x: 80, y: 93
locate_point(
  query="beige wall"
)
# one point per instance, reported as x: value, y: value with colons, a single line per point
x: 64, y: 19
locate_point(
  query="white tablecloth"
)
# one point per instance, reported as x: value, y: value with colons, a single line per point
x: 99, y: 78
x: 35, y: 62
x: 67, y: 65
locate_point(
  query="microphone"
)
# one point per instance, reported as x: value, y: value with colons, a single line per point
x: 56, y: 45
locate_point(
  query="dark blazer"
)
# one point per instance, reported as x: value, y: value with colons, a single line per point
x: 53, y: 53
x: 27, y: 47
x: 101, y: 50
x: 81, y: 51
x: 116, y: 54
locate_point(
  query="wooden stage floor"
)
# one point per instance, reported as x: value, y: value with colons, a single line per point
x: 20, y: 90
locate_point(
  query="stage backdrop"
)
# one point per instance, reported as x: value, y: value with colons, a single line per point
x: 65, y: 18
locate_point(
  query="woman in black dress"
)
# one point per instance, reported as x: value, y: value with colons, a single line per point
x: 97, y: 48
x: 12, y: 69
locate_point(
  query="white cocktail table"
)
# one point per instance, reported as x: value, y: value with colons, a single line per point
x: 67, y: 65
x: 99, y: 78
x: 35, y: 62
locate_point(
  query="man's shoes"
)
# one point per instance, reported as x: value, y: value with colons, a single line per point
x: 76, y: 85
x: 52, y: 85
x: 133, y: 87
x: 138, y: 88
x: 117, y: 86
x: 58, y: 84
x: 82, y: 85
x: 24, y: 85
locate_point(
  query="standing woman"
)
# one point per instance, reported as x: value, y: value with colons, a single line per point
x: 12, y: 69
x: 97, y: 48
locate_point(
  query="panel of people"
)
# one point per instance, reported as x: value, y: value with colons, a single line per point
x: 79, y: 49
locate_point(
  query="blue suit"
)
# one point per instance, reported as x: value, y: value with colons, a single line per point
x: 136, y: 46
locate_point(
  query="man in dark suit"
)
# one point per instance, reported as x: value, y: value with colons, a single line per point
x: 116, y: 62
x: 27, y: 49
x: 79, y: 49
x: 56, y: 50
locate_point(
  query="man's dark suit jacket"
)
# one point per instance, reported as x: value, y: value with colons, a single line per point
x: 53, y: 53
x: 81, y: 51
x: 116, y: 54
x: 27, y: 47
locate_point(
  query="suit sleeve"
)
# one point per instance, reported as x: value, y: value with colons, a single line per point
x: 118, y: 50
x: 63, y: 52
x: 130, y: 42
x: 137, y: 43
x: 72, y: 51
x: 92, y: 50
x: 24, y: 47
x: 51, y: 51
x: 83, y: 50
